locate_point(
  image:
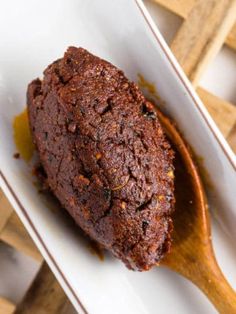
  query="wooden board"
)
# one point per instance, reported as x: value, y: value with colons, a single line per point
x: 45, y: 295
x: 6, y: 307
x: 202, y: 35
x: 179, y: 7
x: 232, y: 138
x: 223, y: 112
x: 183, y: 9
x: 14, y: 234
x: 5, y: 210
x: 231, y: 38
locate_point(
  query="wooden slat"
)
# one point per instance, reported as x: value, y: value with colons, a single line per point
x: 45, y: 296
x: 6, y: 307
x: 231, y: 38
x: 232, y: 138
x: 15, y: 235
x: 198, y: 40
x: 179, y: 7
x: 184, y: 7
x: 202, y: 34
x: 5, y: 210
x: 223, y: 112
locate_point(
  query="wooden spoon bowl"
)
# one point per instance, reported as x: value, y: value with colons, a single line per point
x: 192, y: 254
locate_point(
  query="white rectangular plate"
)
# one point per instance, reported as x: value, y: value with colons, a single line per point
x: 33, y: 34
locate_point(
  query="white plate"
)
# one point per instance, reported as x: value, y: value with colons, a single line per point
x: 33, y: 33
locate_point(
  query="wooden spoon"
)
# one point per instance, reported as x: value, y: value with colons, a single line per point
x: 192, y: 254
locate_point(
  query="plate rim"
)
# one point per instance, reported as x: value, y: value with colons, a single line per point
x: 46, y: 252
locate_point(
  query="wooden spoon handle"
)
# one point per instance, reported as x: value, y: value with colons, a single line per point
x: 207, y: 275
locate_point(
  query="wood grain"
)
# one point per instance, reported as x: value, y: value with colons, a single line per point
x: 202, y: 34
x: 6, y: 307
x: 45, y: 296
x: 231, y: 38
x: 5, y: 210
x: 232, y: 138
x: 14, y: 234
x: 179, y: 7
x: 223, y: 112
x: 183, y: 7
x: 196, y: 43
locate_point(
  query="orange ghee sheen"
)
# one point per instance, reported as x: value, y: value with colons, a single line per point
x: 22, y: 136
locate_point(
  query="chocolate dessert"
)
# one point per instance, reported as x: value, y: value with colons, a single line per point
x: 104, y: 155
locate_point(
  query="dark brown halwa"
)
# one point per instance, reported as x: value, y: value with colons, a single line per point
x: 105, y: 156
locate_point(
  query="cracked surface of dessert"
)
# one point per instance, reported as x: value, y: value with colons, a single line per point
x: 105, y: 155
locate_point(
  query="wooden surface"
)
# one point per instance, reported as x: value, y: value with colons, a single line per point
x: 5, y: 210
x: 223, y: 112
x: 231, y: 138
x: 183, y: 9
x: 45, y: 296
x: 6, y: 307
x: 198, y: 40
x: 202, y: 34
x: 231, y: 38
x: 179, y: 7
x: 206, y: 26
x: 14, y: 234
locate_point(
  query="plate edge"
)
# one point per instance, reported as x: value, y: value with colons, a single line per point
x: 6, y: 186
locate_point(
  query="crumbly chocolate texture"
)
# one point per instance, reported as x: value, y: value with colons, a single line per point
x: 105, y: 155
